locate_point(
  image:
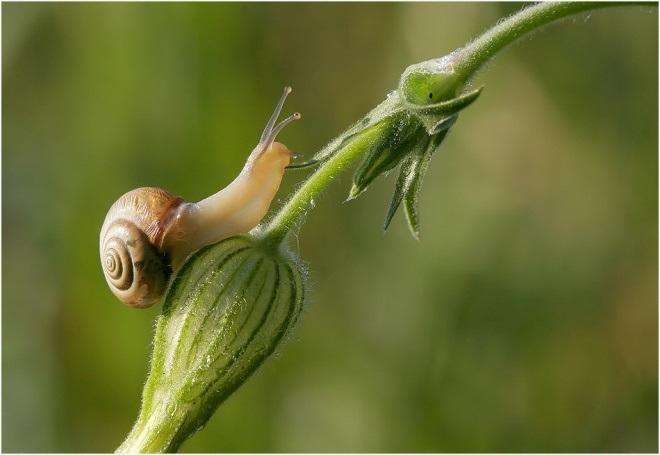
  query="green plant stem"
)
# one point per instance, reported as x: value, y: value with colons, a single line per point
x: 304, y: 198
x: 466, y: 62
x: 157, y: 432
x: 474, y: 55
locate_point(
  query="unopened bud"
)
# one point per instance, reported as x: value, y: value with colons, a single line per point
x: 225, y: 312
x: 430, y: 82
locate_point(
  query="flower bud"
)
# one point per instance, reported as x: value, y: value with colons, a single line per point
x: 430, y: 82
x: 225, y: 312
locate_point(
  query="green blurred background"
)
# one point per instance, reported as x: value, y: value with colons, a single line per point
x: 525, y: 319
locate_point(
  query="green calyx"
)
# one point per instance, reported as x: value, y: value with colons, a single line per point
x: 225, y: 312
x: 413, y: 130
x: 409, y: 182
x: 438, y: 117
x: 385, y: 152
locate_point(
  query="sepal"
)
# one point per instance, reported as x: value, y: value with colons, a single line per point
x: 409, y: 182
x: 386, y: 152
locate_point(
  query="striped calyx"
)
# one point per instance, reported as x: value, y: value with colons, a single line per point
x: 224, y: 314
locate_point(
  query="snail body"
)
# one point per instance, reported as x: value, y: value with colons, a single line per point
x: 148, y: 232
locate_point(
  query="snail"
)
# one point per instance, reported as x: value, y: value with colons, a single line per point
x: 148, y: 232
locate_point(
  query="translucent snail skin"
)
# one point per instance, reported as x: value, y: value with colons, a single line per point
x: 148, y: 232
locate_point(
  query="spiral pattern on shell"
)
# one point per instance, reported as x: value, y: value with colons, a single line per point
x: 117, y: 263
x: 134, y: 269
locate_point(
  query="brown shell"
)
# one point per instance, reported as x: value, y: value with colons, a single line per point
x: 151, y: 209
x: 134, y: 265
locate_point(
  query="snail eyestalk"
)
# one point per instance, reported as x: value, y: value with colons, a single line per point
x: 276, y: 113
x: 280, y: 126
x: 271, y: 130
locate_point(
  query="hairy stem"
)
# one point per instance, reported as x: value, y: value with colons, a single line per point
x: 304, y: 198
x: 466, y: 62
x: 478, y: 52
x: 158, y: 432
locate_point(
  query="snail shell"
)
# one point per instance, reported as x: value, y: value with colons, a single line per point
x: 136, y: 266
x: 148, y: 232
